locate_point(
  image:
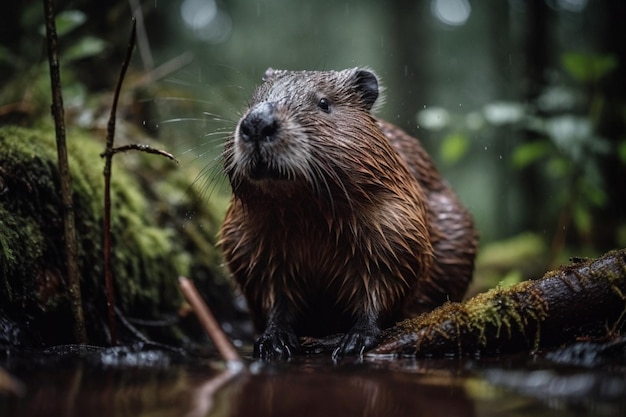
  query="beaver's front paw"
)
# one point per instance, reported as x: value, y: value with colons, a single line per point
x: 358, y: 340
x: 276, y: 343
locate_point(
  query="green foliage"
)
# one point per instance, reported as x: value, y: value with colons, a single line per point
x: 588, y: 68
x: 85, y: 47
x: 528, y: 153
x: 567, y: 147
x: 68, y: 20
x: 621, y: 151
x: 569, y: 151
x: 7, y: 57
x: 30, y: 80
x: 568, y: 144
x: 509, y: 261
x: 76, y: 48
x: 454, y: 147
x: 456, y: 144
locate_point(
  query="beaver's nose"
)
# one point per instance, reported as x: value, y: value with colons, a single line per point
x: 260, y: 124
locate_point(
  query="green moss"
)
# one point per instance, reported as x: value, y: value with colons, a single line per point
x: 19, y: 252
x: 149, y: 250
x: 501, y: 311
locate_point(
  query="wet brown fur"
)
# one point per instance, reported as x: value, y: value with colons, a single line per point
x: 372, y: 228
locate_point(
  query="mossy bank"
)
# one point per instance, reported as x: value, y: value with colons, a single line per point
x: 153, y: 240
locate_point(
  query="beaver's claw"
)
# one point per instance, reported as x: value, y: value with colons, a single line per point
x: 362, y: 337
x: 276, y: 343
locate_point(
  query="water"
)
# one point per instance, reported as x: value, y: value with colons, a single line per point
x: 152, y: 383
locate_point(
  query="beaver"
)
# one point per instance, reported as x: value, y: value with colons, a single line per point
x: 339, y: 222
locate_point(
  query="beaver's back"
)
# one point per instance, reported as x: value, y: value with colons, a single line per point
x: 453, y: 236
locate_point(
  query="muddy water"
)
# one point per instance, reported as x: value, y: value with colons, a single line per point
x: 150, y: 383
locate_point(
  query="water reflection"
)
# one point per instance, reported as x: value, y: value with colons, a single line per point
x: 360, y: 390
x: 311, y: 386
x: 80, y: 392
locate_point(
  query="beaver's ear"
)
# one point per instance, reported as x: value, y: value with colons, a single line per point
x: 366, y: 85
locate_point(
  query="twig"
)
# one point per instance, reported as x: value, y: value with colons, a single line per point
x: 164, y: 70
x: 215, y: 332
x: 142, y: 337
x: 141, y: 148
x: 108, y: 155
x: 58, y: 113
x: 142, y: 37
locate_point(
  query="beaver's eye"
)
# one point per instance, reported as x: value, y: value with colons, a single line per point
x: 324, y: 104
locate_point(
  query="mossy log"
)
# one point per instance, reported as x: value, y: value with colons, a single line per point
x: 152, y: 244
x: 584, y: 300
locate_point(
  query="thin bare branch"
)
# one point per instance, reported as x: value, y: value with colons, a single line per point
x: 142, y: 37
x: 141, y: 148
x: 164, y: 69
x: 210, y: 324
x: 108, y: 270
x: 58, y: 113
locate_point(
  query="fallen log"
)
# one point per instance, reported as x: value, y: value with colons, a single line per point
x: 584, y: 300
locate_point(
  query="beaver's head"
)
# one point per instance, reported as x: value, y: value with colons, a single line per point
x: 306, y: 126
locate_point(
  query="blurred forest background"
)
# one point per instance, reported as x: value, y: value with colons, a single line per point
x: 522, y: 103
